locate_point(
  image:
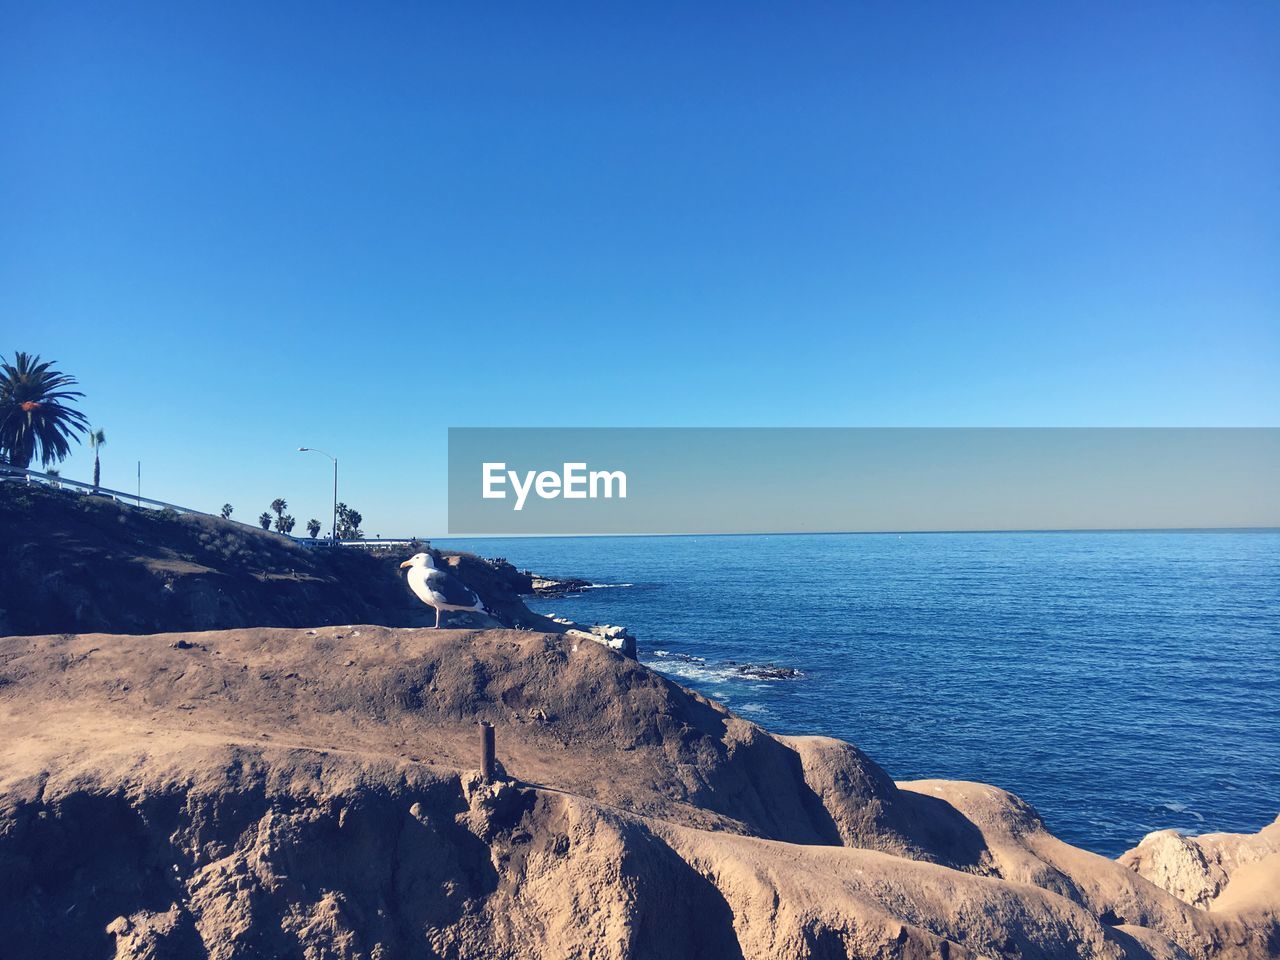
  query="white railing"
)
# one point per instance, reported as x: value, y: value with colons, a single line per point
x: 20, y: 475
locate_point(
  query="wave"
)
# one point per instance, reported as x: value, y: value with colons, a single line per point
x: 689, y: 667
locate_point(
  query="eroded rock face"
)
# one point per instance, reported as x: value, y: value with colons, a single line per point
x: 1212, y: 871
x: 1177, y: 864
x: 112, y: 567
x: 328, y: 857
x: 308, y: 793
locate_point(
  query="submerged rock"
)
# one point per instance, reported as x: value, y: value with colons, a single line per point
x: 552, y: 588
x: 768, y: 672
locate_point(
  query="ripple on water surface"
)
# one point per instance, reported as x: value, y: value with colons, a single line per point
x: 1120, y: 682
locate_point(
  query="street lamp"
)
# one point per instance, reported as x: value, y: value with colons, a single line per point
x: 334, y: 531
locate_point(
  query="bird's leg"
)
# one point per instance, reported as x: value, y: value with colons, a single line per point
x: 439, y: 618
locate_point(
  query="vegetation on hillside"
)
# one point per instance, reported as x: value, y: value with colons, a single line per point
x: 77, y: 562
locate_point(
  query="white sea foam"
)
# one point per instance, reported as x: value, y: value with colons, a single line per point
x: 693, y: 668
x: 688, y: 667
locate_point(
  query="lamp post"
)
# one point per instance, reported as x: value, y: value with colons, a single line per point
x: 334, y: 530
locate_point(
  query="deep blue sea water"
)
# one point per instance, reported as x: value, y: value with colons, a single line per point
x: 1120, y: 682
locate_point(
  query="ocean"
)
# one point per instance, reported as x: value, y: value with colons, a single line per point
x: 1119, y: 682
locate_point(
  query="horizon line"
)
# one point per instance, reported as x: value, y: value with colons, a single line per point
x: 845, y: 533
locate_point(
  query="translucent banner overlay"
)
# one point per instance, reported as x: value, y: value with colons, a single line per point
x: 514, y: 481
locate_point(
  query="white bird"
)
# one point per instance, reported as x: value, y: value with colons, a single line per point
x: 437, y: 589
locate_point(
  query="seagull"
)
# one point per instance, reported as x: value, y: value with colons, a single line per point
x: 437, y: 589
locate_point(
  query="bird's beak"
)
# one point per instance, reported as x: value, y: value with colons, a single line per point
x: 407, y: 563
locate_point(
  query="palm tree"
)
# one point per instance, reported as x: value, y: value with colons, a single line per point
x: 279, y: 506
x: 313, y: 527
x: 226, y: 511
x: 349, y: 523
x: 35, y: 416
x: 264, y: 520
x: 97, y: 439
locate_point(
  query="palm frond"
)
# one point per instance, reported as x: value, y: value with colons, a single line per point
x: 36, y: 419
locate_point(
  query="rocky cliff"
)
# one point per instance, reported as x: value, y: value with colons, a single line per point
x: 310, y: 793
x: 78, y: 563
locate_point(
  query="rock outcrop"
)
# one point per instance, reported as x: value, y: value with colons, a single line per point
x: 311, y: 793
x: 1217, y: 871
x: 611, y: 636
x: 562, y: 587
x: 75, y: 563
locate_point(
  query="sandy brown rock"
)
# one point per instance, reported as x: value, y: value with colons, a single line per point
x: 311, y: 793
x: 1219, y: 871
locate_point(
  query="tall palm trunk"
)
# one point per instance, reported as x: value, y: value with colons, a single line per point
x: 96, y: 439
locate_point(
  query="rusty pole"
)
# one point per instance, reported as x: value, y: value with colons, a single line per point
x: 487, y: 766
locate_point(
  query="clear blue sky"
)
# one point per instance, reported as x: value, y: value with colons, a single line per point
x: 250, y: 226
